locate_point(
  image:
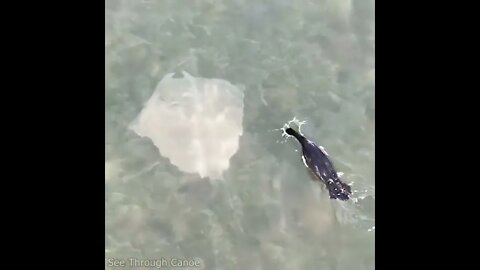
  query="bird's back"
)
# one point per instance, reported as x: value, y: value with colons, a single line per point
x: 317, y: 160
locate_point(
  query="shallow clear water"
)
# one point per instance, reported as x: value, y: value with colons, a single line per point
x: 313, y: 60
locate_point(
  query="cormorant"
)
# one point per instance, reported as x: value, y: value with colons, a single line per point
x: 316, y: 159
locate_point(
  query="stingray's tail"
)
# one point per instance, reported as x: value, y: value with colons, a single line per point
x: 339, y: 190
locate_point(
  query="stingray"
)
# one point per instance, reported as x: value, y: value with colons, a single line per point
x: 194, y: 122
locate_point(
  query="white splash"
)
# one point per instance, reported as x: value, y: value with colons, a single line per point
x: 295, y: 121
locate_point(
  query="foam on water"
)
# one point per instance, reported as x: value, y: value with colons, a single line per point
x: 288, y: 124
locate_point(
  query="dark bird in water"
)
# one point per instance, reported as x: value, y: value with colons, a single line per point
x: 316, y: 159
